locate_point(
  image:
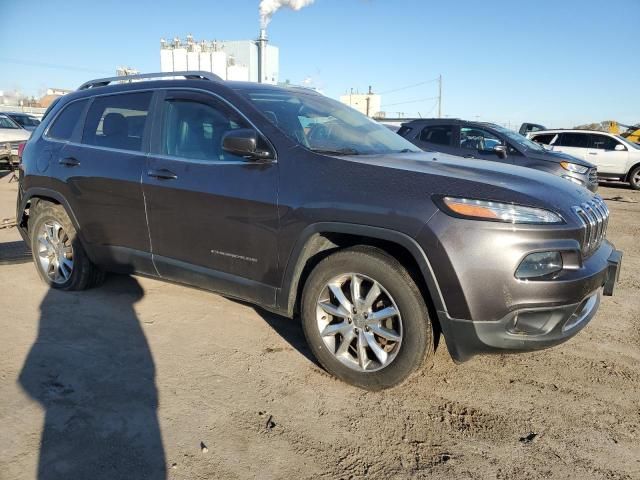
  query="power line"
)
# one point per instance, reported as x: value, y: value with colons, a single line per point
x: 410, y: 101
x: 29, y: 63
x: 409, y: 86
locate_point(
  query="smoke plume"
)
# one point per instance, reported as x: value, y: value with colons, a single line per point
x: 269, y: 7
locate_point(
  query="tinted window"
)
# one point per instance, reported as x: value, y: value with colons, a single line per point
x: 65, y: 123
x: 602, y: 142
x: 117, y: 121
x: 26, y: 121
x: 544, y: 139
x: 580, y: 140
x: 193, y: 129
x: 404, y: 131
x: 6, y: 122
x: 438, y: 134
x: 477, y: 139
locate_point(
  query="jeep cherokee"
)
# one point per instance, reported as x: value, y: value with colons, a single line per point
x: 284, y: 198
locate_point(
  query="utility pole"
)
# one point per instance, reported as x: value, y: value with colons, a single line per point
x: 440, y: 96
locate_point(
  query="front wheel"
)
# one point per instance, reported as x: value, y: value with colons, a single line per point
x: 634, y: 178
x: 365, y: 319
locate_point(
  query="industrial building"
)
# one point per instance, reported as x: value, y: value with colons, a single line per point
x: 245, y: 60
x: 367, y: 103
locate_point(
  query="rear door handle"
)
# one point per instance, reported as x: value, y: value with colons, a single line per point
x: 593, y: 153
x: 162, y: 174
x: 69, y: 162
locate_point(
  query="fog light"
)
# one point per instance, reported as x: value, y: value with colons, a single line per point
x: 540, y: 264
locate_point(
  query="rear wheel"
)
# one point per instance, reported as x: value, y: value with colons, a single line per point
x: 58, y: 255
x: 365, y: 319
x: 634, y: 178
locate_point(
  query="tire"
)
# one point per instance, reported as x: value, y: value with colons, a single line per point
x: 412, y: 326
x: 634, y: 178
x: 82, y: 273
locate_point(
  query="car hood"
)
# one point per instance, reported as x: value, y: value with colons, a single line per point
x: 446, y: 174
x: 557, y: 157
x: 13, y: 134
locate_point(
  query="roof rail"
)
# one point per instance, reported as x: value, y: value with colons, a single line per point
x: 103, y: 82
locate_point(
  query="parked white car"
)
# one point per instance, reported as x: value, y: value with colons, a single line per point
x: 616, y: 157
x: 11, y: 134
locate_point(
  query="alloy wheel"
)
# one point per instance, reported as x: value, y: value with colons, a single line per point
x: 359, y: 322
x: 55, y: 252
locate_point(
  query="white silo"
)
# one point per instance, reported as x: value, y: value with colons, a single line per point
x: 179, y: 59
x: 193, y: 60
x: 166, y: 60
x: 238, y: 72
x: 219, y: 63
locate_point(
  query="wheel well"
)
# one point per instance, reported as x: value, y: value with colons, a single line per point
x: 628, y: 175
x: 321, y: 245
x: 30, y: 205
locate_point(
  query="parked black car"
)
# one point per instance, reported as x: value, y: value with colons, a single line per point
x: 297, y: 203
x: 487, y: 141
x: 26, y: 121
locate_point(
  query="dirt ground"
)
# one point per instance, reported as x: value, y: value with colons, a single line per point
x: 141, y: 379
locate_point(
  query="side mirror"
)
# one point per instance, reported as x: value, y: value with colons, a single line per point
x: 620, y: 148
x: 500, y: 151
x: 244, y: 143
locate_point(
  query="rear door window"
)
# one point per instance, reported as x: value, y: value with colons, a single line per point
x: 117, y: 121
x: 65, y: 123
x: 437, y: 134
x: 576, y: 140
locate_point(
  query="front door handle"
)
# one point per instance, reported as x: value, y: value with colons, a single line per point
x: 162, y: 174
x: 593, y: 153
x: 69, y: 162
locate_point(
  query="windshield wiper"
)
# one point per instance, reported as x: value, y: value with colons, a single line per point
x: 408, y: 150
x: 341, y: 151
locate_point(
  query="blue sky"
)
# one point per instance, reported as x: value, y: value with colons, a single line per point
x: 559, y: 63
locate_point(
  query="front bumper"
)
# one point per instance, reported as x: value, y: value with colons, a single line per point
x: 528, y: 329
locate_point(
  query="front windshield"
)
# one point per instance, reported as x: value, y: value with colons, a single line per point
x: 6, y: 122
x: 519, y: 139
x: 325, y: 125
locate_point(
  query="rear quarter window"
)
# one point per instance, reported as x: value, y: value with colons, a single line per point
x: 65, y: 123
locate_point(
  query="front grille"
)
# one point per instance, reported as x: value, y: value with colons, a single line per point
x: 594, y: 216
x: 593, y: 175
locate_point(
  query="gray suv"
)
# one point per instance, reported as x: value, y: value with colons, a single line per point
x: 296, y: 203
x: 488, y: 141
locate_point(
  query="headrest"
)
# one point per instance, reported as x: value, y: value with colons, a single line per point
x: 114, y: 124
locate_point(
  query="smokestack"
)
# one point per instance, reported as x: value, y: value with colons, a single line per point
x: 262, y: 55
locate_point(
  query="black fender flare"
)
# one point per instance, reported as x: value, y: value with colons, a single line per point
x: 298, y: 258
x: 39, y: 192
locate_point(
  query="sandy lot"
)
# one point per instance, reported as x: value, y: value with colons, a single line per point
x: 142, y: 379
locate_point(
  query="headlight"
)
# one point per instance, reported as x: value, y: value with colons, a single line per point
x: 498, y: 212
x: 574, y: 167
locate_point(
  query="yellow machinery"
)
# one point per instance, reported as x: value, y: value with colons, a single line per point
x: 632, y: 132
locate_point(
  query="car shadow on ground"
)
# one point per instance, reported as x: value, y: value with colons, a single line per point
x: 290, y: 329
x: 92, y: 372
